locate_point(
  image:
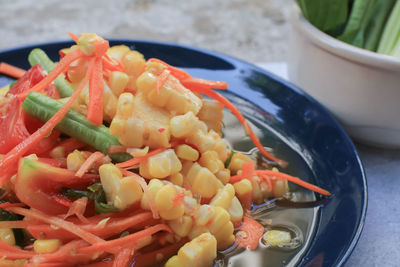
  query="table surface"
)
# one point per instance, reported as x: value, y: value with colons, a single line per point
x: 378, y: 243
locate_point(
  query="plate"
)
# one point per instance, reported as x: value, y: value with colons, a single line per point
x: 296, y: 128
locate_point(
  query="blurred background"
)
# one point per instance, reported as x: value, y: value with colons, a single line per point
x: 254, y: 31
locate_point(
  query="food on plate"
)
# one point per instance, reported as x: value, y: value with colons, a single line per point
x: 112, y: 160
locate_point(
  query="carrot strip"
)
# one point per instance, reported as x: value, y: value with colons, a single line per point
x: 95, y: 107
x: 14, y: 224
x: 73, y: 37
x: 197, y: 82
x: 161, y: 79
x: 149, y: 196
x: 93, y: 158
x: 56, y: 221
x: 61, y: 67
x: 78, y: 208
x: 248, y: 169
x: 11, y: 70
x: 136, y: 160
x: 122, y: 258
x: 6, y: 205
x: 249, y: 234
x: 14, y: 255
x: 292, y: 179
x: 12, y: 157
x: 178, y: 73
x: 225, y: 102
x: 126, y: 240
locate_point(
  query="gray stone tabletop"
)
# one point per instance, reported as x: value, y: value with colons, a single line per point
x: 253, y: 30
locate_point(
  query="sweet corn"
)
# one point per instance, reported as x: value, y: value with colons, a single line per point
x: 200, y: 252
x: 176, y: 179
x: 223, y: 175
x: 172, y: 96
x: 186, y: 152
x: 46, y: 245
x: 224, y: 197
x: 258, y: 194
x: 138, y: 124
x: 110, y: 102
x: 244, y: 191
x: 205, y: 141
x: 202, y: 181
x: 211, y: 114
x: 280, y: 188
x: 183, y: 125
x: 204, y: 214
x: 57, y: 153
x: 121, y: 192
x: 117, y: 51
x: 222, y: 228
x: 211, y: 161
x: 86, y: 42
x: 237, y: 162
x: 154, y: 186
x: 75, y: 160
x: 166, y: 205
x: 182, y: 225
x: 220, y: 218
x: 7, y: 236
x: 161, y: 165
x: 133, y: 62
x: 276, y: 238
x: 118, y: 82
x: 236, y: 211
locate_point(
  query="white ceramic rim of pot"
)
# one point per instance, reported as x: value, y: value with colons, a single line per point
x: 342, y: 49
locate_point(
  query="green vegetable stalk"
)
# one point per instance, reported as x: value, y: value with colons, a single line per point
x: 38, y: 56
x: 391, y: 34
x: 74, y: 124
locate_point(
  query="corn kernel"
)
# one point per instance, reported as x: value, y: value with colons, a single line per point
x: 7, y: 236
x: 166, y: 205
x: 276, y: 238
x: 211, y: 161
x: 236, y: 211
x: 118, y: 82
x: 161, y: 165
x: 46, y: 245
x: 75, y: 160
x: 181, y: 226
x: 154, y: 186
x: 237, y: 162
x: 183, y: 125
x: 57, y: 153
x: 224, y: 197
x: 199, y: 252
x: 174, y: 262
x: 133, y: 62
x: 176, y: 179
x: 129, y: 193
x: 117, y: 51
x: 280, y: 188
x: 223, y: 175
x: 187, y: 152
x: 86, y: 42
x: 204, y: 214
x: 202, y: 181
x: 221, y: 217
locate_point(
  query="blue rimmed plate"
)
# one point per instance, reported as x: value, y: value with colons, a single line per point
x: 297, y: 129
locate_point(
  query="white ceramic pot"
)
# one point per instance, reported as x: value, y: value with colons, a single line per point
x: 361, y: 88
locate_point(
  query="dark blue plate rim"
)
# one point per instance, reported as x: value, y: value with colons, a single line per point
x: 355, y: 238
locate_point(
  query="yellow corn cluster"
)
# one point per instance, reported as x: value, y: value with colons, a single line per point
x: 75, y: 160
x: 201, y: 180
x: 186, y: 152
x: 172, y: 96
x: 161, y: 165
x: 237, y: 161
x: 200, y: 252
x: 211, y: 114
x: 211, y: 160
x: 138, y: 123
x: 120, y: 191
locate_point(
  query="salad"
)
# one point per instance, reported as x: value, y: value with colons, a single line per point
x: 109, y: 159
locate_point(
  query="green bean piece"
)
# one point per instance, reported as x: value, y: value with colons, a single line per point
x: 74, y: 124
x: 38, y: 56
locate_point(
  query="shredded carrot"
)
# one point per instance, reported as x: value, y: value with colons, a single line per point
x: 249, y: 233
x: 6, y: 205
x: 14, y: 255
x: 9, y: 248
x: 122, y: 258
x: 112, y: 64
x: 292, y: 179
x: 11, y: 70
x: 248, y: 169
x: 14, y: 224
x: 56, y: 221
x: 78, y: 208
x: 61, y: 67
x: 73, y: 37
x: 161, y: 79
x: 95, y: 107
x: 136, y: 160
x: 12, y: 157
x: 226, y: 103
x: 178, y: 73
x: 92, y: 159
x: 126, y: 240
x: 196, y: 82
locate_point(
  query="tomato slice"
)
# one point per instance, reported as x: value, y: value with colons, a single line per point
x: 15, y: 124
